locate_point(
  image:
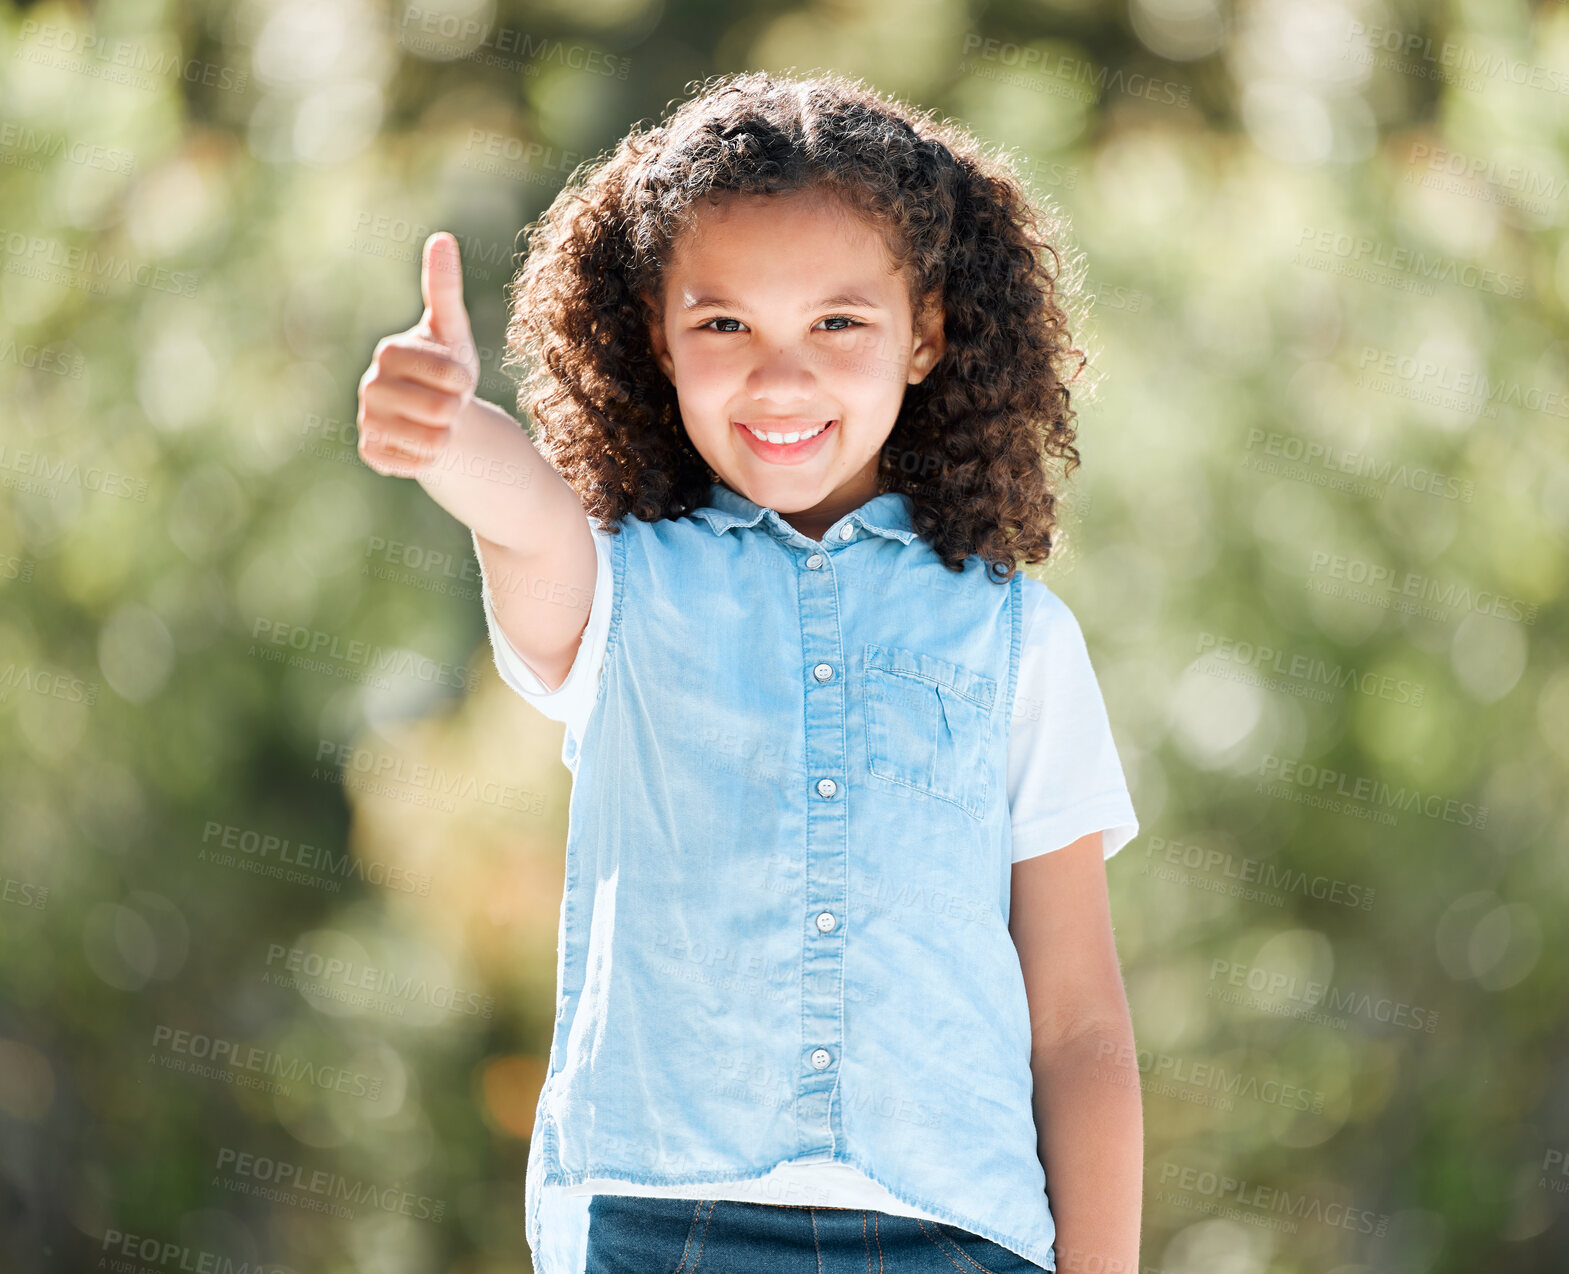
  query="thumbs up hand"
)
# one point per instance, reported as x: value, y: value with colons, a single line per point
x: 419, y: 382
x: 441, y: 285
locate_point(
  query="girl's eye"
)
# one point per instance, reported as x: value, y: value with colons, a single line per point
x: 835, y: 318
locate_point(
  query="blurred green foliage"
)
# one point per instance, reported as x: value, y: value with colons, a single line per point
x: 281, y: 857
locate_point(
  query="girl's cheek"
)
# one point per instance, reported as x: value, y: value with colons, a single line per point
x: 706, y: 357
x: 696, y: 374
x: 876, y: 360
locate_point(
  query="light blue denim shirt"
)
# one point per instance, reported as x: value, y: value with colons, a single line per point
x: 793, y: 748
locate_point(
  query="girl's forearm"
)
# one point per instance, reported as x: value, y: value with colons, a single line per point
x: 1089, y: 1120
x: 492, y: 478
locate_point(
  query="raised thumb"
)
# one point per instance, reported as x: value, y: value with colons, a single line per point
x: 441, y: 284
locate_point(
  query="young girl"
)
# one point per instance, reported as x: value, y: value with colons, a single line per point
x: 836, y: 983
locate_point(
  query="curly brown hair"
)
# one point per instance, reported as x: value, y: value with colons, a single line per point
x: 972, y: 442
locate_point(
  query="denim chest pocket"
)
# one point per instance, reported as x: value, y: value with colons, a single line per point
x: 929, y: 725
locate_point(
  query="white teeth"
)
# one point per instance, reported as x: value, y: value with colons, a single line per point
x: 785, y: 438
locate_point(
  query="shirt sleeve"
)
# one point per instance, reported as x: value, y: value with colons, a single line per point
x: 573, y: 700
x: 1065, y: 778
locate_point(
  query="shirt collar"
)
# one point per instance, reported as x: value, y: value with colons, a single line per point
x: 887, y: 514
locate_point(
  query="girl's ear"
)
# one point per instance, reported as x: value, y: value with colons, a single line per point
x: 930, y: 340
x: 656, y: 337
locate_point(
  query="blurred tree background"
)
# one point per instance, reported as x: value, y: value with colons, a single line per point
x: 281, y: 858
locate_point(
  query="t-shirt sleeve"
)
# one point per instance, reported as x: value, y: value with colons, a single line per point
x: 573, y: 700
x: 1065, y: 778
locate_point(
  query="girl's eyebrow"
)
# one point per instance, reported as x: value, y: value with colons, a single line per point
x: 854, y: 299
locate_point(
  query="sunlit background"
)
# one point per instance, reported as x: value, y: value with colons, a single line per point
x: 281, y: 858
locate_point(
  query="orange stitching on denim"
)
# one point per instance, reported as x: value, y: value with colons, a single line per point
x: 712, y: 1204
x: 921, y: 1222
x: 690, y: 1232
x: 877, y: 1236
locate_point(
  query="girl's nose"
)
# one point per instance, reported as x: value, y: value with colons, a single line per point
x: 785, y: 376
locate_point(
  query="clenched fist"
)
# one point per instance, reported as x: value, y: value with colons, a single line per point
x: 419, y: 381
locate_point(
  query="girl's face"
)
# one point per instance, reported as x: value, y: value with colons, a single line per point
x: 783, y: 314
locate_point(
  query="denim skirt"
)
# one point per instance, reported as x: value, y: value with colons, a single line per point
x: 642, y: 1234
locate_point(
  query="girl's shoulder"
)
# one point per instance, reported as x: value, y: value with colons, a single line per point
x: 1048, y: 619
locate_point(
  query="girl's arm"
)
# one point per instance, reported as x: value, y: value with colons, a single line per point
x: 530, y: 531
x: 418, y: 418
x: 1088, y: 1111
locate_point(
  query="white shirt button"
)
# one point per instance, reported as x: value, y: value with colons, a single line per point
x: 823, y: 671
x: 826, y: 788
x: 825, y: 921
x: 846, y: 531
x: 815, y: 562
x: 820, y: 1058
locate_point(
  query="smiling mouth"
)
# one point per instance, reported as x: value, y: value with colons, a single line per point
x: 786, y: 437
